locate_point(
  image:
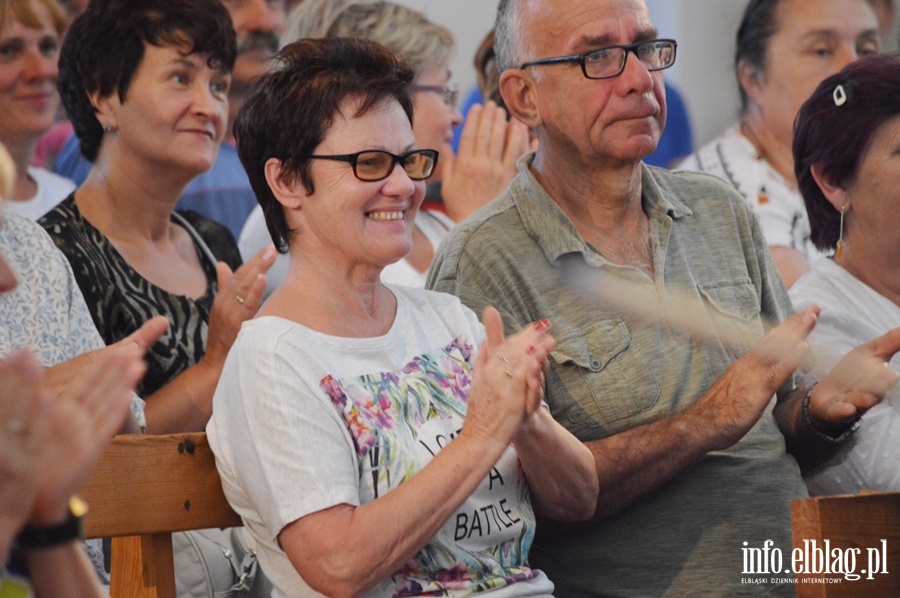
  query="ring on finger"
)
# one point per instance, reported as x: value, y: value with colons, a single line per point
x: 239, y: 299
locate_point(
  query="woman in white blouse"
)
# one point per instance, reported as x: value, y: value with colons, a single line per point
x: 847, y: 160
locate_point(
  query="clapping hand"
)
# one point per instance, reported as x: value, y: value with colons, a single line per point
x: 857, y: 383
x: 489, y: 148
x: 508, y: 383
x: 238, y: 298
x: 49, y: 442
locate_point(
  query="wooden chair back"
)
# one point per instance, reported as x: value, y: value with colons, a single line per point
x: 855, y: 535
x: 143, y: 489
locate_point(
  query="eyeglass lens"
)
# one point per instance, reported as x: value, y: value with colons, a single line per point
x: 609, y: 62
x: 450, y: 95
x: 376, y: 165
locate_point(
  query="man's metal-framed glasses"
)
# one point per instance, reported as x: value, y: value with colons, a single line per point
x: 450, y: 95
x: 377, y: 165
x: 609, y: 61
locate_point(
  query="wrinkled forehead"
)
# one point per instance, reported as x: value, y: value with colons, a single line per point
x: 801, y: 16
x: 561, y: 27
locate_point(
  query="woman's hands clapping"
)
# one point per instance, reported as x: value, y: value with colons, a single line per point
x: 508, y: 383
x: 237, y: 300
x: 50, y: 441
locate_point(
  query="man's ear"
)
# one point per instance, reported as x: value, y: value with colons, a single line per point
x: 520, y: 96
x: 286, y: 188
x: 836, y: 196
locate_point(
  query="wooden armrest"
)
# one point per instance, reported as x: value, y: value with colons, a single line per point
x: 865, y: 527
x: 149, y: 484
x: 143, y: 489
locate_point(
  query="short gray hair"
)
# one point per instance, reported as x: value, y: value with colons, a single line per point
x: 404, y: 31
x: 508, y: 40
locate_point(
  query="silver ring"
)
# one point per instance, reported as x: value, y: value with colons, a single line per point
x: 501, y: 358
x: 239, y: 299
x: 15, y: 426
x: 508, y: 373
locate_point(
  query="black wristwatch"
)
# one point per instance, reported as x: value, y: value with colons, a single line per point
x: 34, y: 537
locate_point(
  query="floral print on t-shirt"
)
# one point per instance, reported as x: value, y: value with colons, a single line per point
x: 398, y: 421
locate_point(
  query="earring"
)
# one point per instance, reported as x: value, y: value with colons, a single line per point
x: 839, y: 250
x: 109, y: 128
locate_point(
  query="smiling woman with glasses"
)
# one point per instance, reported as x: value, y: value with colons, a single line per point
x: 365, y: 423
x: 464, y: 181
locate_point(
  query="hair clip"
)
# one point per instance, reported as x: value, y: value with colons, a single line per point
x: 839, y: 95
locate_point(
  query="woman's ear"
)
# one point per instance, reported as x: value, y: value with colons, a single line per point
x: 751, y: 80
x: 105, y: 108
x: 836, y: 196
x: 286, y: 187
x: 520, y: 96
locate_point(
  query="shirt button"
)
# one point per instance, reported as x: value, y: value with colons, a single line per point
x: 595, y: 364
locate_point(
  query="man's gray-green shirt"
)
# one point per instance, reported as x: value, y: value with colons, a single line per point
x: 615, y: 369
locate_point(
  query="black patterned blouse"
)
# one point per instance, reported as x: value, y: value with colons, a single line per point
x: 120, y: 299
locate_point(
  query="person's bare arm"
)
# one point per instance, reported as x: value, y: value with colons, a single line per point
x: 23, y: 410
x: 79, y: 424
x: 59, y: 376
x: 559, y: 468
x: 62, y: 570
x: 635, y: 462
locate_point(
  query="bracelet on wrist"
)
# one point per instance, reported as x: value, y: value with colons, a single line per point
x: 807, y: 423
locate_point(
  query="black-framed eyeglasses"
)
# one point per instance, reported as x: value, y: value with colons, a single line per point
x: 377, y: 165
x: 609, y: 61
x: 450, y: 95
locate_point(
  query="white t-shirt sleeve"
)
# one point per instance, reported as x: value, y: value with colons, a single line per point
x: 291, y: 449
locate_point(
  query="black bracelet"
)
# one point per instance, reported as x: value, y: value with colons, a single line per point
x: 804, y: 414
x: 35, y: 537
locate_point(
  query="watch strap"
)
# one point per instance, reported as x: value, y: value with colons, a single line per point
x: 46, y: 536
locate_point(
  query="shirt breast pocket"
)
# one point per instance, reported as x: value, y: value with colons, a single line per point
x: 601, y: 378
x: 734, y: 311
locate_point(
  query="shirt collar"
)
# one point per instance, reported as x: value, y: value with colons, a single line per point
x: 549, y: 226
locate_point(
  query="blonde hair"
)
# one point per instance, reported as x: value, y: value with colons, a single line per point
x: 21, y: 11
x: 423, y: 44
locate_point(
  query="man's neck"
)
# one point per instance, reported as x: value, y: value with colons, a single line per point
x: 607, y: 195
x: 604, y: 203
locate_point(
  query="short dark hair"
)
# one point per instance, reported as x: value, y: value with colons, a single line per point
x: 291, y: 108
x: 105, y: 45
x: 837, y: 137
x: 752, y: 43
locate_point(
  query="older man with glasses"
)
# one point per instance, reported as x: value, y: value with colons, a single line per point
x: 660, y: 289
